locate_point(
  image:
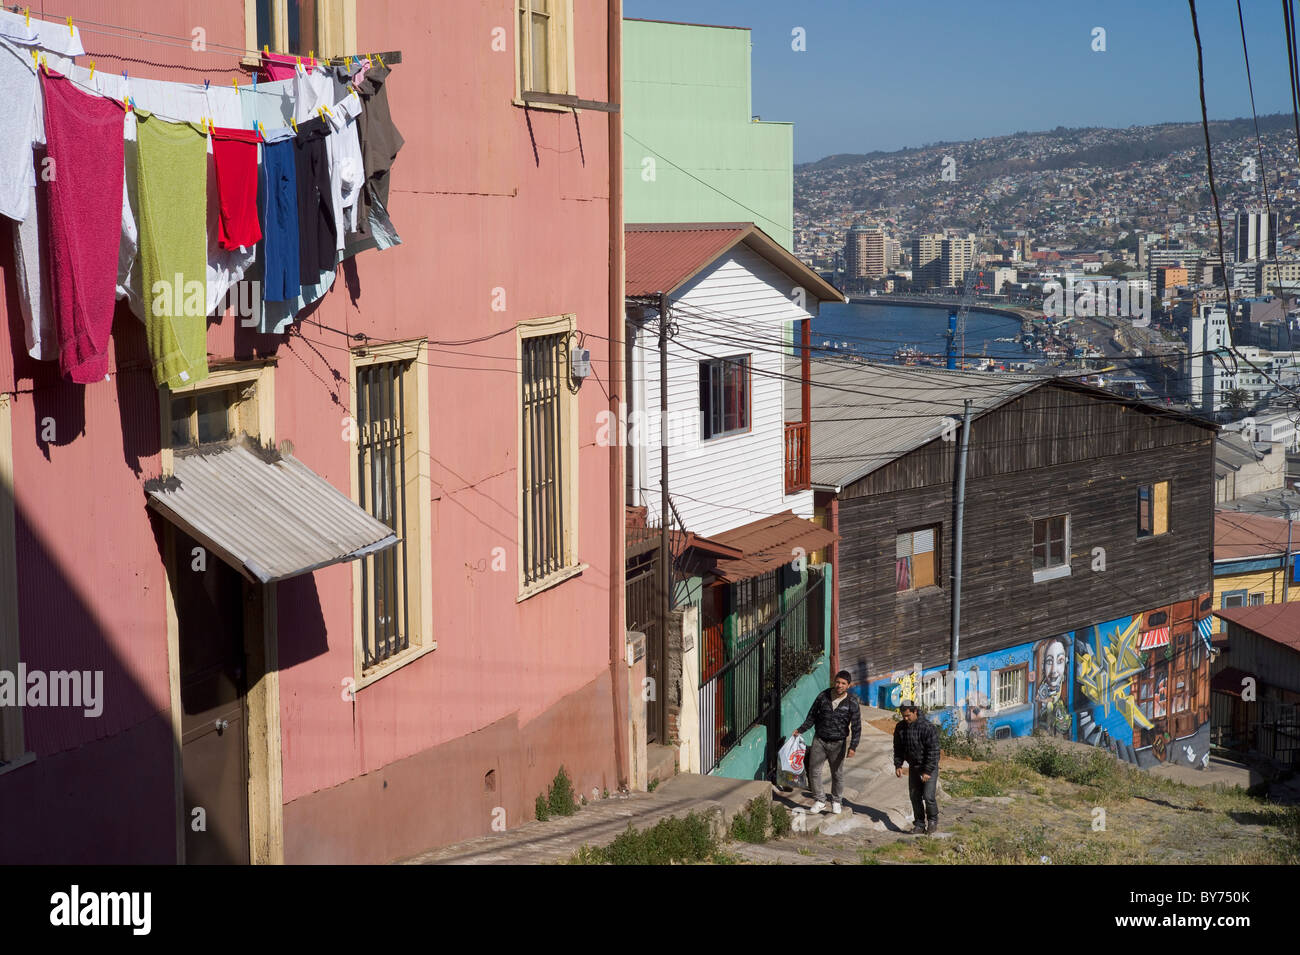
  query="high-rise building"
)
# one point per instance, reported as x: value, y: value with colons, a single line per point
x: 1208, y: 377
x: 926, y: 252
x: 864, y: 253
x: 893, y: 253
x: 1256, y: 236
x: 956, y: 256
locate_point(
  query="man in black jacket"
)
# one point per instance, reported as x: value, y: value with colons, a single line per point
x: 916, y: 742
x: 834, y: 713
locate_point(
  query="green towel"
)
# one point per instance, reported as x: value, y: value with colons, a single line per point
x: 173, y: 195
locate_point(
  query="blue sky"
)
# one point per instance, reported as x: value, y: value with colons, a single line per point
x: 886, y: 76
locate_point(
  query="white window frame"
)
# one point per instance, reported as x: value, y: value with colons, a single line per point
x: 560, y: 32
x: 1054, y: 571
x: 336, y: 29
x: 419, y: 509
x: 1022, y: 679
x: 571, y: 566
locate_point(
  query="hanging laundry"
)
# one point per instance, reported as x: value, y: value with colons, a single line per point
x: 281, y: 244
x: 347, y: 166
x: 41, y: 34
x: 172, y: 189
x: 84, y: 141
x: 317, y: 229
x: 380, y: 143
x: 281, y: 66
x: 314, y: 95
x: 18, y: 129
x: 234, y: 152
x: 32, y: 271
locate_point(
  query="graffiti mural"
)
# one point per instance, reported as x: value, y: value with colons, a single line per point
x: 1137, y: 686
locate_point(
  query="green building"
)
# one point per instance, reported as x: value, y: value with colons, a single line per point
x: 691, y: 150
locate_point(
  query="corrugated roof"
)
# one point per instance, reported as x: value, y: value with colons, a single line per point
x: 769, y: 542
x: 1277, y: 622
x: 662, y: 257
x: 866, y: 415
x: 267, y: 515
x: 1238, y: 535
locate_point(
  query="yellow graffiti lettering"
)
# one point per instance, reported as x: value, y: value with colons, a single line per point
x: 1113, y: 682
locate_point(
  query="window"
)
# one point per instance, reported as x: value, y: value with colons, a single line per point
x: 1256, y: 600
x: 544, y: 46
x: 204, y: 417
x: 756, y: 602
x: 1051, y: 547
x: 916, y: 559
x: 392, y: 589
x: 1153, y: 509
x: 1011, y: 686
x: 724, y: 396
x: 548, y: 458
x: 12, y: 749
x: 1231, y: 598
x: 299, y: 27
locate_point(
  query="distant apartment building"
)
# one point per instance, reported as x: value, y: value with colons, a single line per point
x: 1157, y: 259
x: 1256, y: 236
x: 1271, y: 274
x: 956, y: 257
x: 864, y: 253
x: 926, y: 252
x: 1169, y: 278
x: 1208, y: 340
x: 893, y: 253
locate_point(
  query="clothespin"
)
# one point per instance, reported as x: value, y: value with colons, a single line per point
x: 380, y: 58
x: 206, y: 84
x: 297, y: 62
x: 28, y: 13
x: 311, y: 56
x: 261, y: 130
x: 92, y: 69
x: 235, y: 81
x: 71, y: 31
x: 266, y: 50
x: 294, y: 123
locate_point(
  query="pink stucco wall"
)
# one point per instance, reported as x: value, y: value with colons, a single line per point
x: 476, y: 211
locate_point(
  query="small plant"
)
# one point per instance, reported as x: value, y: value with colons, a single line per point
x: 653, y: 783
x: 964, y: 745
x: 781, y: 821
x: 560, y: 798
x: 669, y: 841
x: 751, y: 823
x: 541, y: 809
x: 605, y: 794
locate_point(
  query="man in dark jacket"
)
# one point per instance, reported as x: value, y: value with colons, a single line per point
x: 834, y: 713
x: 916, y: 742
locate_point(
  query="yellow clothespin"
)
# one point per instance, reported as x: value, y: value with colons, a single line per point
x: 92, y: 69
x: 298, y: 62
x: 380, y: 58
x: 266, y: 50
x: 294, y: 123
x: 311, y: 56
x: 28, y: 13
x: 235, y: 80
x: 36, y: 59
x: 71, y: 31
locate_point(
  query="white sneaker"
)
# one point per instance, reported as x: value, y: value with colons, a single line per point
x: 817, y: 807
x: 836, y: 808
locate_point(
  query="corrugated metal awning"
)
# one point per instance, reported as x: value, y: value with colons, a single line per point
x: 768, y: 543
x: 266, y: 514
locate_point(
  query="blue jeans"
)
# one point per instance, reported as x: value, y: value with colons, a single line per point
x: 925, y: 804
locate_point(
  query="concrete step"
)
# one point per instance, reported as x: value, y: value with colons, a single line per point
x: 661, y: 762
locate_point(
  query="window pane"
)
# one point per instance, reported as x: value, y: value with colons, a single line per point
x: 1160, y: 508
x: 541, y: 53
x: 1040, y: 556
x: 265, y: 36
x: 923, y: 570
x: 903, y: 545
x: 706, y: 402
x: 180, y: 422
x: 214, y: 418
x: 1144, y: 510
x: 1232, y: 600
x: 903, y: 573
x: 923, y: 541
x: 1040, y: 533
x: 302, y: 26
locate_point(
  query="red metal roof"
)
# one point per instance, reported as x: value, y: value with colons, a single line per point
x: 662, y: 258
x: 769, y: 542
x: 1228, y: 680
x: 1238, y: 535
x: 1277, y: 622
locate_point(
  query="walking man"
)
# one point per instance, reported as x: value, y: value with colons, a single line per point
x: 833, y: 714
x: 916, y: 742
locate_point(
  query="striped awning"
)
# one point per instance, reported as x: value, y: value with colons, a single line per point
x: 1205, y: 627
x: 1152, y: 639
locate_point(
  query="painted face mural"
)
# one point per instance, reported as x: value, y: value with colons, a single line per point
x: 1051, y: 703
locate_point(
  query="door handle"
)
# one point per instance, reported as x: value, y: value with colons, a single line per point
x: 221, y: 725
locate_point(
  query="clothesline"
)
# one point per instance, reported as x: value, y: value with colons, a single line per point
x: 169, y: 39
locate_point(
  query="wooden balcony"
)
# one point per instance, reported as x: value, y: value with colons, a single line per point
x: 798, y: 456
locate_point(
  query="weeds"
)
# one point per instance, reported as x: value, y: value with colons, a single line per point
x: 560, y: 799
x: 964, y: 745
x: 670, y: 841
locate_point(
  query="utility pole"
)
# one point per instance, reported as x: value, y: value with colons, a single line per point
x: 665, y: 553
x: 956, y: 546
x: 1286, y: 561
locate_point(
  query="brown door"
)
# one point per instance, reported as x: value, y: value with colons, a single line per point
x: 214, y: 725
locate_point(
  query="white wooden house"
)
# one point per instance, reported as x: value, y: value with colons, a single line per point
x: 737, y: 452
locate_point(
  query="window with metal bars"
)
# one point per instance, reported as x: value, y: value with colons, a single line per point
x: 381, y: 416
x: 544, y: 530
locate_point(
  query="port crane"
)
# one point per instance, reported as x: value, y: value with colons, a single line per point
x: 957, y: 314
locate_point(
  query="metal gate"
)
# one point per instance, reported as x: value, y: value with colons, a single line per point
x: 643, y: 611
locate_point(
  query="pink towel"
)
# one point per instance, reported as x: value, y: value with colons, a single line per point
x: 280, y: 66
x: 83, y: 137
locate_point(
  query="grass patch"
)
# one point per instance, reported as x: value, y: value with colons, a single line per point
x: 670, y: 841
x: 965, y: 745
x: 992, y: 779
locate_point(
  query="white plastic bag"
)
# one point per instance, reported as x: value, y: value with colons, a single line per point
x: 790, y: 758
